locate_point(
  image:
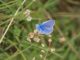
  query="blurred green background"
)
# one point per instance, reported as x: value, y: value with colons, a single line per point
x: 18, y: 19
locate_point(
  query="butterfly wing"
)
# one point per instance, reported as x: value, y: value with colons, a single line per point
x: 46, y: 27
x: 49, y: 23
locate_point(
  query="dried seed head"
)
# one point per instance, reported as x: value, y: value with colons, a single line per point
x: 42, y: 51
x: 52, y: 49
x: 35, y: 31
x: 29, y: 18
x: 41, y: 55
x: 29, y: 39
x: 27, y: 12
x: 49, y: 40
x: 62, y: 39
x: 36, y: 39
x: 31, y: 35
x: 43, y: 45
x: 33, y: 58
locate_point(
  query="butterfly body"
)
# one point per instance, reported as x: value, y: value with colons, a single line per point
x: 45, y: 27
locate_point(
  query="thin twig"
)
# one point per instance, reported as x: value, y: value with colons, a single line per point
x: 12, y: 19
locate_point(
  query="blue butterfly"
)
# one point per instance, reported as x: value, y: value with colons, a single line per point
x: 45, y: 27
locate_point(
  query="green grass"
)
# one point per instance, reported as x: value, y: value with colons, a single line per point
x: 15, y: 30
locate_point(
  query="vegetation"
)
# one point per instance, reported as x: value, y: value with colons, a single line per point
x: 18, y: 37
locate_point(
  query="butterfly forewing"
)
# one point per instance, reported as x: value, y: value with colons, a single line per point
x: 48, y: 24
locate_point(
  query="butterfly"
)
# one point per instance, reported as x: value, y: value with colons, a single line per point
x: 45, y: 27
